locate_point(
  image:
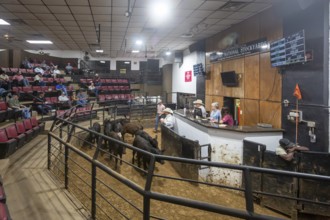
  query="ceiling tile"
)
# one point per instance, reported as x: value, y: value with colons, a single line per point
x: 103, y: 3
x: 212, y: 5
x: 189, y: 4
x: 57, y: 28
x: 119, y: 11
x: 120, y: 3
x: 52, y: 2
x: 84, y: 17
x: 80, y: 9
x: 101, y: 10
x: 200, y: 14
x: 25, y: 16
x: 32, y: 2
x: 240, y: 15
x: 72, y: 28
x: 68, y: 23
x: 51, y: 22
x: 102, y: 18
x: 60, y: 9
x: 86, y: 23
x: 220, y: 14
x: 255, y: 7
x: 64, y: 17
x: 34, y: 22
x: 37, y: 8
x: 15, y: 8
x: 45, y: 16
x: 77, y: 2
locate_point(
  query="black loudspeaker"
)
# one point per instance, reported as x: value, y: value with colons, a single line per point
x: 305, y: 3
x: 198, y: 46
x: 178, y: 57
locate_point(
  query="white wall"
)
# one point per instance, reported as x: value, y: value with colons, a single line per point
x: 178, y: 75
x: 135, y: 62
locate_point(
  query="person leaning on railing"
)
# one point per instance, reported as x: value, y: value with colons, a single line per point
x: 286, y: 149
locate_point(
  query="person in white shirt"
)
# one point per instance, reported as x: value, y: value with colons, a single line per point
x: 68, y: 69
x: 38, y: 80
x: 39, y: 70
x: 64, y: 99
x: 199, y: 104
x: 56, y: 72
x: 160, y: 109
x: 169, y: 120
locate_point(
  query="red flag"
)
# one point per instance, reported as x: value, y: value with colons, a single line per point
x: 297, y: 92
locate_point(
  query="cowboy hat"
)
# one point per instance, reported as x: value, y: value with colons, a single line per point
x: 168, y: 110
x: 159, y: 101
x: 198, y: 101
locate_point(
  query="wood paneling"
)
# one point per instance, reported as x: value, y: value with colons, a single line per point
x: 236, y: 65
x: 251, y: 77
x: 208, y: 102
x: 4, y: 58
x: 270, y: 80
x: 270, y: 112
x: 217, y: 82
x: 250, y: 111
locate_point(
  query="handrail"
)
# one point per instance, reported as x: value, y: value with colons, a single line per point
x: 149, y: 195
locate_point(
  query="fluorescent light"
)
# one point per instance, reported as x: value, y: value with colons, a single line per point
x: 127, y: 62
x: 99, y: 51
x: 39, y: 42
x: 219, y: 53
x: 102, y: 61
x: 160, y: 11
x: 135, y: 51
x: 139, y: 42
x: 168, y: 53
x: 3, y: 22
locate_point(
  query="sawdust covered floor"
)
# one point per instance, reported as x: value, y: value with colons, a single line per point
x: 108, y: 188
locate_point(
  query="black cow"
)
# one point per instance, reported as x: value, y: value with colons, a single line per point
x: 115, y: 149
x: 145, y: 135
x: 130, y: 128
x: 145, y: 145
x: 91, y: 137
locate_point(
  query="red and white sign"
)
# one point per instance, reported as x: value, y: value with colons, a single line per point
x: 188, y: 76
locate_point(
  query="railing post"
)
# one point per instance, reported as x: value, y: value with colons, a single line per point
x: 66, y: 167
x: 93, y: 208
x: 61, y: 136
x: 146, y: 196
x: 248, y: 191
x: 49, y: 151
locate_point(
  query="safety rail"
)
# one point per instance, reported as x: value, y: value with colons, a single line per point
x: 64, y: 159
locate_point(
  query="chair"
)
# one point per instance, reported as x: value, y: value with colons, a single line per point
x: 21, y: 130
x: 37, y: 88
x: 54, y: 100
x: 116, y: 97
x: 28, y: 126
x: 103, y: 88
x: 116, y: 88
x: 16, y: 90
x: 7, y: 146
x: 110, y: 88
x: 9, y: 112
x: 108, y: 97
x: 121, y: 88
x: 35, y: 124
x: 113, y: 80
x: 14, y: 70
x: 101, y: 98
x: 119, y: 81
x: 27, y: 89
x: 12, y: 134
x: 122, y: 96
x: 125, y: 80
x: 22, y: 70
x: 30, y: 71
x: 108, y: 81
x: 103, y: 81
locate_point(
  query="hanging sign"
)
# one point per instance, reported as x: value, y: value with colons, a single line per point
x: 188, y: 76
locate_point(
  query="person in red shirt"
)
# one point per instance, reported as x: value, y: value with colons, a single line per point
x: 20, y: 79
x: 227, y: 118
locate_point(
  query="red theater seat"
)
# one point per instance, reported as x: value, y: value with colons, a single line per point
x: 101, y: 98
x: 7, y: 146
x: 113, y: 80
x: 22, y: 70
x: 35, y: 123
x: 21, y: 130
x: 110, y: 88
x: 102, y: 80
x: 30, y: 71
x: 28, y: 126
x: 108, y: 97
x: 27, y: 89
x: 12, y: 134
x: 14, y: 70
x: 4, y: 212
x: 108, y: 81
x: 122, y: 96
x: 116, y: 88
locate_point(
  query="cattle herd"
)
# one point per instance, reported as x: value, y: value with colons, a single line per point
x: 116, y: 130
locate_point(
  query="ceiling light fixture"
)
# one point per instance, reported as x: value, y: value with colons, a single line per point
x: 135, y: 51
x: 99, y: 51
x: 160, y: 11
x: 187, y: 35
x: 127, y: 62
x: 102, y: 61
x: 139, y: 42
x: 167, y: 53
x: 265, y: 46
x: 39, y: 41
x: 3, y: 22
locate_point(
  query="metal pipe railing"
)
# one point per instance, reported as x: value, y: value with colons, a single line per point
x: 147, y: 193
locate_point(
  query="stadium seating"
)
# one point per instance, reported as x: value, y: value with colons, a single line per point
x: 7, y: 145
x: 12, y: 134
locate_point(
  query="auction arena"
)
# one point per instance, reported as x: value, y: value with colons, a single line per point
x: 72, y: 166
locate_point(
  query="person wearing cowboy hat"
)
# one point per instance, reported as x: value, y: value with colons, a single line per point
x: 215, y: 115
x: 160, y: 109
x: 169, y: 120
x: 286, y: 149
x: 199, y: 104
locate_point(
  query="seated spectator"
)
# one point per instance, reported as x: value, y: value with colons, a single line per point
x: 20, y: 110
x: 20, y: 80
x: 38, y: 80
x: 56, y: 72
x: 62, y: 88
x: 81, y: 99
x: 44, y: 65
x: 4, y: 80
x: 26, y: 63
x: 169, y: 120
x: 286, y: 149
x: 39, y: 70
x: 97, y: 80
x: 43, y: 107
x: 68, y: 69
x: 74, y: 98
x: 64, y: 100
x: 94, y: 89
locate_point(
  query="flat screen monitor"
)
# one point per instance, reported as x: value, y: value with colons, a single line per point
x: 198, y: 112
x: 229, y: 79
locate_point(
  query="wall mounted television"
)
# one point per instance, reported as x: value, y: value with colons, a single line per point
x: 229, y: 79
